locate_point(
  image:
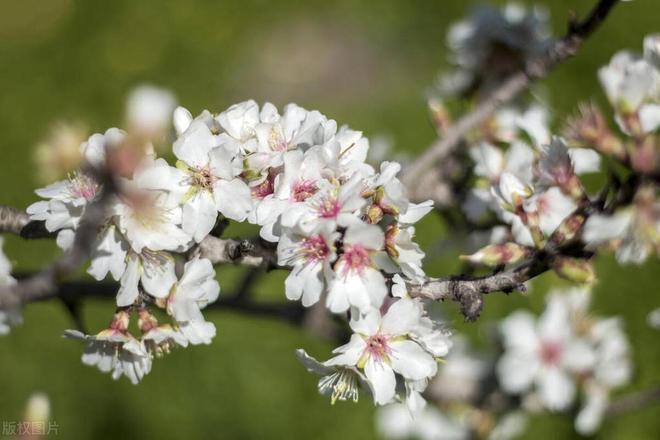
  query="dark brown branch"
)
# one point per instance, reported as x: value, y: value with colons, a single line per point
x: 517, y: 83
x: 76, y: 291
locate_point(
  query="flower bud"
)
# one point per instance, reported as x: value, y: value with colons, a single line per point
x: 37, y: 410
x: 643, y: 155
x: 498, y: 254
x: 120, y: 321
x: 390, y: 241
x: 439, y: 114
x: 146, y: 321
x: 567, y: 229
x: 577, y: 270
x: 589, y: 129
x: 374, y: 214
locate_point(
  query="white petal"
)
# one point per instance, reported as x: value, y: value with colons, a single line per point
x: 584, y: 160
x: 556, y: 389
x: 181, y: 120
x: 158, y: 275
x: 516, y: 371
x: 128, y: 288
x: 649, y: 117
x: 382, y: 380
x: 412, y: 361
x: 369, y: 236
x: 233, y: 199
x: 199, y: 215
x: 600, y: 229
x: 194, y: 145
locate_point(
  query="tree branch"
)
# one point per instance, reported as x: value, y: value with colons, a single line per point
x: 235, y: 251
x: 75, y: 291
x: 561, y: 50
x: 44, y: 282
x: 635, y: 401
x: 469, y: 291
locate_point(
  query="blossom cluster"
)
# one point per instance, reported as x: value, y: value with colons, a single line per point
x: 490, y: 44
x: 529, y: 183
x: 344, y: 229
x: 544, y: 361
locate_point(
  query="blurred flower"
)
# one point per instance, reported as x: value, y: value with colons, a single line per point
x: 543, y: 355
x: 12, y: 316
x: 149, y: 111
x: 491, y: 44
x: 114, y: 350
x: 59, y: 153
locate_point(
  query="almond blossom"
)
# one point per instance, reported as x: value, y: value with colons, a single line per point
x: 384, y: 346
x: 310, y: 256
x: 356, y: 281
x: 195, y: 289
x: 543, y: 355
x: 114, y: 350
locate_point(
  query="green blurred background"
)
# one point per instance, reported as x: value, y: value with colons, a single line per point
x: 364, y: 63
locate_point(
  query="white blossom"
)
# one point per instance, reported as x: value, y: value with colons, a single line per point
x: 543, y: 355
x: 195, y: 289
x: 355, y: 280
x: 384, y: 346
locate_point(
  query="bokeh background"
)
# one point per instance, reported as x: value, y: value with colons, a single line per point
x: 364, y: 63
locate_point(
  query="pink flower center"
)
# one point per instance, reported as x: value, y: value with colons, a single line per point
x: 377, y: 346
x: 303, y: 189
x: 315, y: 248
x: 276, y: 141
x: 203, y: 178
x: 551, y: 352
x: 356, y: 258
x: 264, y: 189
x: 329, y: 208
x: 83, y: 186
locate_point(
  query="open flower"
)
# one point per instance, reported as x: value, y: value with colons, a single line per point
x: 114, y: 350
x: 634, y: 230
x: 195, y: 289
x: 543, y: 356
x: 355, y: 280
x: 205, y: 180
x: 382, y: 347
x: 65, y: 205
x: 310, y: 256
x: 152, y: 220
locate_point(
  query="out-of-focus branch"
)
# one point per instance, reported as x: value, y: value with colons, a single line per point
x: 635, y: 401
x: 12, y: 220
x: 249, y: 252
x: 44, y: 282
x: 76, y: 291
x: 561, y: 50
